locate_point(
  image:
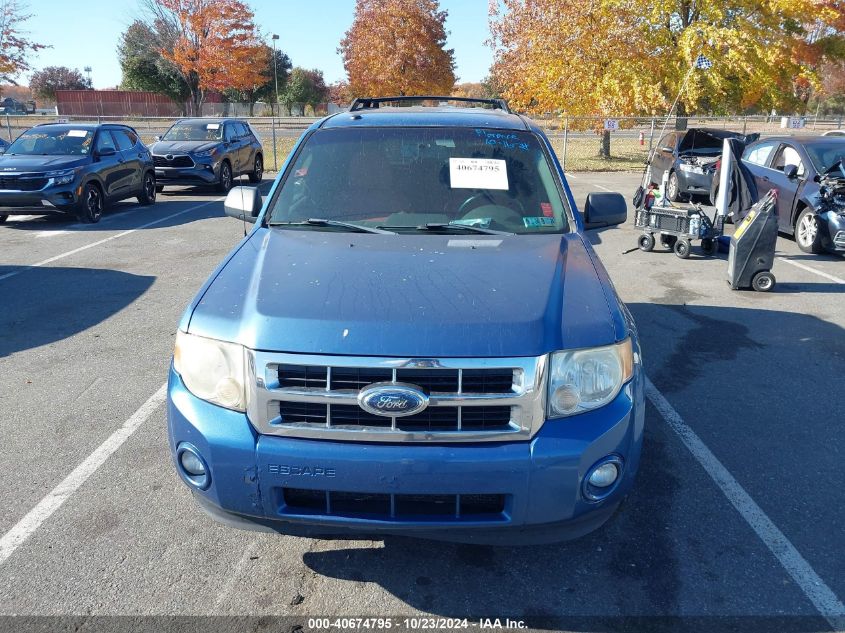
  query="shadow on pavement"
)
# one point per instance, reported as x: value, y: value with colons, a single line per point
x: 44, y: 305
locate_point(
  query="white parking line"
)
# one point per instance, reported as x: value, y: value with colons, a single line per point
x: 24, y: 528
x: 810, y: 269
x: 50, y: 260
x: 802, y: 573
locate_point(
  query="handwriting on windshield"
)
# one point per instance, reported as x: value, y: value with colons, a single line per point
x: 504, y: 140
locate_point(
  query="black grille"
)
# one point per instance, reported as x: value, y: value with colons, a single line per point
x: 357, y: 378
x: 302, y: 376
x: 176, y: 161
x: 385, y: 506
x: 429, y: 380
x: 487, y: 381
x: 432, y: 419
x: 13, y: 183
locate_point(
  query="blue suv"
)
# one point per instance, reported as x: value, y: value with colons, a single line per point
x: 416, y: 338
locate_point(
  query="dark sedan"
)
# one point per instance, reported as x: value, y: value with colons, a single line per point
x: 690, y: 159
x: 208, y: 152
x: 74, y: 168
x: 808, y: 174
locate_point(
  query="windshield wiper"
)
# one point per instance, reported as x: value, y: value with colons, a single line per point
x: 445, y: 226
x: 360, y: 228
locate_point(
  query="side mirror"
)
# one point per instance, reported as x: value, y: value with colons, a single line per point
x: 243, y: 203
x: 790, y: 171
x: 604, y: 209
x: 106, y: 151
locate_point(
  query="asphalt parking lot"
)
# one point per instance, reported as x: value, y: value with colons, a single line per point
x: 736, y: 522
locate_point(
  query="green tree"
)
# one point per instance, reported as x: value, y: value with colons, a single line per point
x: 45, y: 82
x: 265, y: 91
x: 143, y: 66
x: 306, y: 87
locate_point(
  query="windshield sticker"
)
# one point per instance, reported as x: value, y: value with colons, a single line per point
x: 445, y: 142
x: 77, y: 133
x: 502, y: 139
x: 212, y: 126
x: 538, y: 222
x: 546, y: 208
x: 478, y: 173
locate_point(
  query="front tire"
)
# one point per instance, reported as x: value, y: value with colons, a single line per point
x: 90, y: 204
x: 225, y: 182
x: 808, y: 234
x: 646, y: 242
x: 673, y: 188
x: 148, y: 190
x: 682, y: 248
x: 258, y: 170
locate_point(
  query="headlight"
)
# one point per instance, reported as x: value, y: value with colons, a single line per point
x: 62, y: 176
x: 206, y: 153
x: 585, y: 379
x: 212, y: 370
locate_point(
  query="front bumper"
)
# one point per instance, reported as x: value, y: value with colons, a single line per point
x: 540, y: 479
x: 204, y: 172
x: 51, y: 199
x: 695, y: 180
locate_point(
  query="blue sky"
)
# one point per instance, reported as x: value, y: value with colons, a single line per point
x: 309, y: 31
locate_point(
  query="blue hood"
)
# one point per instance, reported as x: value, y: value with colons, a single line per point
x: 415, y: 295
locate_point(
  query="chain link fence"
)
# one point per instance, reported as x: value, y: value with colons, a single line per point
x: 579, y: 142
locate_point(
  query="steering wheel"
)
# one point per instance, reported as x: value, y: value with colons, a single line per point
x: 488, y: 195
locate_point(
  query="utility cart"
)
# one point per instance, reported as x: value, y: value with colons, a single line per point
x: 677, y: 228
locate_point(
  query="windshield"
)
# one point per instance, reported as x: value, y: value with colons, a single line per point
x: 825, y: 154
x: 194, y: 131
x: 405, y: 178
x: 52, y: 142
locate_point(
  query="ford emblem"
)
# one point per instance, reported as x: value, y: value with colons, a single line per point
x: 393, y: 400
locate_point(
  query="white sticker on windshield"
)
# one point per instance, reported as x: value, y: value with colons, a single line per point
x: 212, y: 126
x: 78, y: 133
x: 478, y: 173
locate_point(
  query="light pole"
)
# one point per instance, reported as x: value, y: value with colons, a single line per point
x: 87, y: 70
x: 275, y: 70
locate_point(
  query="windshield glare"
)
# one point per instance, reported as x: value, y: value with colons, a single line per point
x: 825, y: 154
x: 194, y: 131
x: 47, y: 142
x: 407, y: 177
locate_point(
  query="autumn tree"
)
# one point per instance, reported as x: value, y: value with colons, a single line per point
x: 397, y: 47
x: 273, y: 73
x: 15, y: 45
x: 46, y: 81
x: 144, y: 68
x: 216, y: 44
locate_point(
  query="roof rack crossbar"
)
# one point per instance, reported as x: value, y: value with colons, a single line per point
x: 371, y: 103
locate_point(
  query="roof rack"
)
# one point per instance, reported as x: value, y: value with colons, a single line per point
x: 372, y: 103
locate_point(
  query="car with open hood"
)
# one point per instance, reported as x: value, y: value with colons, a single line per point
x: 74, y: 169
x: 808, y: 174
x: 690, y: 159
x: 416, y: 337
x: 208, y: 151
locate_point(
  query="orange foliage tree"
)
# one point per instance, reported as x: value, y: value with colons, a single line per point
x: 14, y: 44
x: 216, y: 47
x: 397, y: 47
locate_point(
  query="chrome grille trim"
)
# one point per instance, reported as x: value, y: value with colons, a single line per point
x: 527, y: 401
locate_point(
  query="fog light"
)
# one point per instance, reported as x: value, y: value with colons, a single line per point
x: 192, y: 466
x: 602, y: 478
x: 604, y: 475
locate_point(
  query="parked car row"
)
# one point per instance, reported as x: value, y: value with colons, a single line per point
x: 81, y: 168
x: 807, y: 172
